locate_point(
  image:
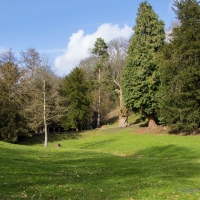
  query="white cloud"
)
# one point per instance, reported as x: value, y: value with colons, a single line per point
x: 168, y: 38
x: 2, y: 49
x: 79, y: 45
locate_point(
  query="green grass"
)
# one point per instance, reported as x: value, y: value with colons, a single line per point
x: 102, y: 164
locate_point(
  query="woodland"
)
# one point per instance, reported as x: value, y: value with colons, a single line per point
x: 155, y: 73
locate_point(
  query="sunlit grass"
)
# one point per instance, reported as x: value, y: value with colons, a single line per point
x: 102, y: 164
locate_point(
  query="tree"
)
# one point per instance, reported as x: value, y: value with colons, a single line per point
x: 100, y: 50
x: 76, y: 91
x: 180, y: 71
x: 12, y: 122
x: 117, y: 50
x: 106, y: 86
x: 42, y: 99
x: 89, y: 67
x: 28, y: 95
x: 140, y: 79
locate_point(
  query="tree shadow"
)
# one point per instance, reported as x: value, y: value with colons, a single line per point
x: 97, y: 144
x: 52, y: 137
x: 111, y: 120
x: 141, y: 121
x: 143, y: 125
x: 170, y: 151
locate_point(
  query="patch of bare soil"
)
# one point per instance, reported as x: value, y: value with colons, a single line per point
x: 159, y: 130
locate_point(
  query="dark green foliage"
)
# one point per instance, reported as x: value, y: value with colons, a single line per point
x: 140, y: 79
x: 12, y: 122
x: 76, y: 90
x: 180, y: 71
x: 100, y: 49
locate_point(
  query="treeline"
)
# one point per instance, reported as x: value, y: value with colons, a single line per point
x: 28, y: 94
x: 149, y: 74
x: 33, y: 96
x: 161, y: 78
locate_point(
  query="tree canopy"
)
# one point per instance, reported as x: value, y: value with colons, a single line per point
x: 180, y: 70
x: 76, y: 90
x: 12, y: 121
x: 140, y: 79
x: 22, y: 94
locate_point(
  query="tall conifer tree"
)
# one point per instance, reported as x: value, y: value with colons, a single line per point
x: 140, y: 79
x: 180, y: 71
x: 100, y: 50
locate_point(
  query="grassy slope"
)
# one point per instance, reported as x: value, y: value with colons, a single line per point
x: 102, y: 164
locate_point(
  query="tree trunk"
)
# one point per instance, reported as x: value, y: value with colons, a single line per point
x: 46, y: 134
x: 152, y: 124
x: 123, y: 112
x: 45, y: 122
x: 99, y: 102
x: 123, y: 121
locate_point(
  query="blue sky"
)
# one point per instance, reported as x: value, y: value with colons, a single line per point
x: 65, y: 29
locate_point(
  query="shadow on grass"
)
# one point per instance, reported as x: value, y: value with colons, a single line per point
x: 140, y: 121
x: 152, y: 173
x: 110, y: 121
x: 52, y: 137
x: 97, y: 144
x: 167, y: 152
x: 113, y: 120
x: 143, y: 125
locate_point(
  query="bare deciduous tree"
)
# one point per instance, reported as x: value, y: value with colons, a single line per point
x: 117, y: 50
x: 42, y: 99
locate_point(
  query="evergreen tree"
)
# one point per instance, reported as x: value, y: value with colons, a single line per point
x: 180, y: 71
x: 12, y: 122
x: 140, y: 78
x: 76, y: 91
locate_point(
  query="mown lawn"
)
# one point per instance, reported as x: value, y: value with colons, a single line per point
x: 102, y: 164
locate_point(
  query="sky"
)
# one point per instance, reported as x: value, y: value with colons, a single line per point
x: 65, y: 30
